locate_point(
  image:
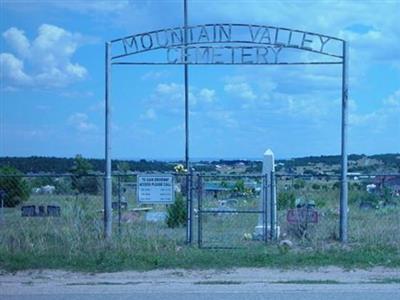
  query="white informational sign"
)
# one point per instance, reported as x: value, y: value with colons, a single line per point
x: 155, y: 189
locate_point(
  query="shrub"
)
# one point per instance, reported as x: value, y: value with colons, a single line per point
x: 81, y: 182
x: 176, y: 213
x: 15, y: 188
x: 299, y: 184
x: 286, y: 200
x: 316, y: 186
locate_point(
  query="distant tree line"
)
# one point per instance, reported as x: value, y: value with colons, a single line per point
x: 59, y: 165
x: 390, y: 160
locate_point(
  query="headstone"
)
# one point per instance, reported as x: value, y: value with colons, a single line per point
x: 367, y: 206
x: 156, y: 216
x: 302, y: 215
x: 41, y: 211
x: 28, y: 211
x: 124, y: 205
x: 53, y: 211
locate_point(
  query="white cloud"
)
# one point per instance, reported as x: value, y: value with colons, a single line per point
x: 223, y: 117
x: 80, y: 121
x: 47, y: 58
x: 393, y: 101
x: 206, y: 95
x: 170, y: 89
x: 17, y: 40
x: 92, y: 7
x: 98, y: 106
x: 240, y: 89
x: 12, y: 70
x: 386, y: 118
x: 150, y: 114
x: 154, y: 75
x: 170, y: 96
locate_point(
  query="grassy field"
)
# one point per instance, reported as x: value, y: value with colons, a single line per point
x: 74, y: 240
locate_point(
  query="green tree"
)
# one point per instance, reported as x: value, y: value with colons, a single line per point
x: 81, y: 166
x: 13, y: 187
x: 286, y: 200
x: 315, y: 186
x: 82, y: 181
x: 239, y: 186
x: 299, y: 184
x: 123, y: 167
x: 176, y: 213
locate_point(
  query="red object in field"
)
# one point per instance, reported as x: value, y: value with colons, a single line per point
x: 302, y: 215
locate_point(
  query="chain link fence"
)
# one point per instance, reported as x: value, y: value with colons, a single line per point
x: 50, y: 212
x: 308, y: 210
x: 64, y: 213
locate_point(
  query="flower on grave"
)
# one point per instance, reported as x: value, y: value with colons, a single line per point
x: 247, y: 236
x: 180, y: 169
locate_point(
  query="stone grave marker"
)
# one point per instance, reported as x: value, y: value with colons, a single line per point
x: 53, y: 211
x: 28, y: 211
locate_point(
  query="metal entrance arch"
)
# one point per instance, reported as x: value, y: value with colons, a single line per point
x: 226, y: 44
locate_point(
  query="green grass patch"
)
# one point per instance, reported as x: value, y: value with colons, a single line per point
x: 103, y: 283
x: 309, y: 282
x: 389, y: 280
x: 75, y: 241
x: 120, y: 256
x: 218, y: 282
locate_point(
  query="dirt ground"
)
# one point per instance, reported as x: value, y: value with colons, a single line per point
x: 36, y: 281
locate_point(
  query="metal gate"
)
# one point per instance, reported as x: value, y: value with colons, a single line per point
x: 234, y: 211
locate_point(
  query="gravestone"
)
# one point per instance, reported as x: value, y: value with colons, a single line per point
x: 302, y: 215
x: 28, y: 211
x: 41, y: 211
x: 124, y: 205
x: 367, y: 205
x: 156, y: 216
x: 53, y: 211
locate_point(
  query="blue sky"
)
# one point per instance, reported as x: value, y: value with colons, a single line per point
x: 52, y: 82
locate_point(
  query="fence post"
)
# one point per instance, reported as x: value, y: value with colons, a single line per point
x: 199, y: 208
x: 344, y: 183
x: 2, y: 208
x: 119, y: 204
x: 189, y: 207
x: 264, y: 191
x: 107, y: 177
x: 274, y: 225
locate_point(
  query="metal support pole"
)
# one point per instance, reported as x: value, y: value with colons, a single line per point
x: 274, y: 227
x: 187, y: 165
x: 264, y: 192
x: 2, y: 210
x: 344, y: 184
x: 119, y: 204
x: 107, y: 178
x: 199, y: 208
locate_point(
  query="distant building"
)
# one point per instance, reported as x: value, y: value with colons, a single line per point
x: 47, y: 189
x: 390, y: 182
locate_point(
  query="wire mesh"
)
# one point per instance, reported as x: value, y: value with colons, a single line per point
x: 229, y: 210
x: 49, y: 212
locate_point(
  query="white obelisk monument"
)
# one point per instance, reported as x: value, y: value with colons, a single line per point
x: 266, y: 193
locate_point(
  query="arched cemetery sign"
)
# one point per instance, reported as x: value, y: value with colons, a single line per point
x: 225, y: 44
x: 230, y: 44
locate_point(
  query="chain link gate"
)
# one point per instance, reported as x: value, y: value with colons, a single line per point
x: 232, y: 210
